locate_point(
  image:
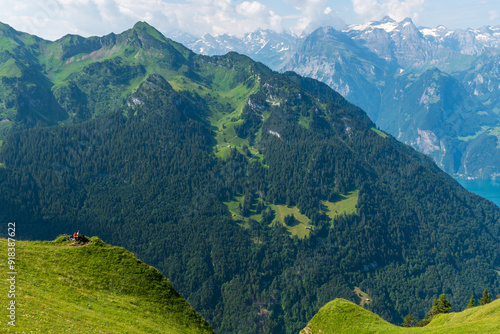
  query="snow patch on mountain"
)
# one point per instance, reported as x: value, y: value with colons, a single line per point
x: 388, y: 27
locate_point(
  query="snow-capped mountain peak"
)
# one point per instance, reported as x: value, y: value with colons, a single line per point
x: 387, y: 24
x: 438, y: 32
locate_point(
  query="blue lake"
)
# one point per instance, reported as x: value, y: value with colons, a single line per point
x: 489, y: 189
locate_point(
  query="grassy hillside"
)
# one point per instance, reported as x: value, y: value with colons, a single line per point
x: 342, y: 316
x: 94, y: 288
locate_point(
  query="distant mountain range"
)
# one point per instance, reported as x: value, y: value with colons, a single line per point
x: 435, y: 89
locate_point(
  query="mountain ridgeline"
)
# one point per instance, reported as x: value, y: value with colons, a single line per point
x: 415, y: 83
x: 261, y: 196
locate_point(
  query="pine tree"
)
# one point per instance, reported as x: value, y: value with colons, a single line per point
x: 433, y: 310
x: 472, y: 302
x: 485, y: 299
x: 440, y: 305
x: 444, y: 305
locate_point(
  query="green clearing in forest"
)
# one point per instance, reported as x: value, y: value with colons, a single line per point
x: 281, y: 211
x: 301, y: 228
x: 347, y: 205
x: 379, y: 132
x: 234, y: 206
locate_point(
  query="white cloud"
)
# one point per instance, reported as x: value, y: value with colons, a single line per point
x: 251, y: 9
x: 493, y: 15
x: 396, y: 9
x: 52, y: 19
x: 313, y: 14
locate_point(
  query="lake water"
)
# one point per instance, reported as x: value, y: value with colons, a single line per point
x: 489, y: 189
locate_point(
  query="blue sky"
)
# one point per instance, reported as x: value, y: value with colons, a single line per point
x: 52, y: 19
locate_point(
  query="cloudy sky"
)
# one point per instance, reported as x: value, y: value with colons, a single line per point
x: 52, y: 19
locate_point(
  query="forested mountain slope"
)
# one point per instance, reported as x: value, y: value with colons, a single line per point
x: 262, y: 196
x: 68, y: 287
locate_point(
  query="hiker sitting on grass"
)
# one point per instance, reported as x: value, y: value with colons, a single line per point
x: 77, y: 236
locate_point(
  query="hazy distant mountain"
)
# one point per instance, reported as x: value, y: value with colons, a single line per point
x: 267, y: 46
x: 417, y: 48
x: 354, y: 71
x: 469, y: 41
x: 483, y: 79
x: 434, y: 113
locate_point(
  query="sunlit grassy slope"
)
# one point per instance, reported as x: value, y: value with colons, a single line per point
x: 346, y: 205
x: 95, y: 288
x: 342, y: 316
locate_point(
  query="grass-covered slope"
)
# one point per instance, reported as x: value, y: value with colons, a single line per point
x: 342, y: 316
x: 94, y: 288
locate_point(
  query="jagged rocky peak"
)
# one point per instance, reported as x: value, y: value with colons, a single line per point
x: 387, y: 19
x: 407, y: 24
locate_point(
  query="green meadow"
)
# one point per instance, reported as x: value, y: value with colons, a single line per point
x: 346, y: 205
x: 302, y: 226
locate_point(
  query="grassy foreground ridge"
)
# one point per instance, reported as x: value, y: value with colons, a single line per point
x: 94, y: 288
x: 342, y: 316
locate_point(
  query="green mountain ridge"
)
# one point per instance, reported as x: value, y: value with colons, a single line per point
x: 63, y: 287
x: 56, y: 82
x: 262, y: 196
x: 342, y: 316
